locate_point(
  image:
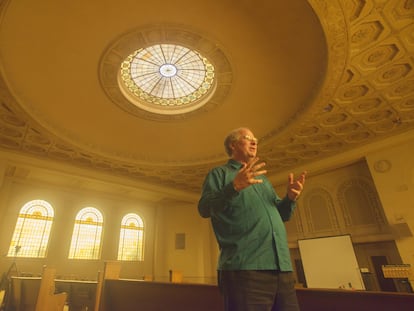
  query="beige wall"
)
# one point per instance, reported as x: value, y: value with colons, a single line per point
x: 195, y: 260
x: 393, y: 173
x: 164, y: 219
x: 66, y: 204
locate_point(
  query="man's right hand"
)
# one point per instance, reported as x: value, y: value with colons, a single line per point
x: 248, y: 173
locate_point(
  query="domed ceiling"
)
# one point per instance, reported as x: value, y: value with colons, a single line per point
x: 311, y: 79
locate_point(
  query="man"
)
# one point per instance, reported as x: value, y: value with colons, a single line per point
x: 254, y: 268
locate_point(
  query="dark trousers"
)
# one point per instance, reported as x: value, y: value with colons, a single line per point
x: 258, y: 290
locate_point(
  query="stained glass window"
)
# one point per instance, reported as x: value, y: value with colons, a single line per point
x: 167, y: 75
x: 87, y: 235
x: 131, y: 241
x: 32, y: 230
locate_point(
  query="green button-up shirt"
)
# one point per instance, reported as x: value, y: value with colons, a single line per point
x: 248, y: 224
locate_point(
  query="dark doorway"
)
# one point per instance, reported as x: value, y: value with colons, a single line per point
x: 386, y: 285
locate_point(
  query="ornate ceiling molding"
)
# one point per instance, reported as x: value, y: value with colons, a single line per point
x: 368, y: 95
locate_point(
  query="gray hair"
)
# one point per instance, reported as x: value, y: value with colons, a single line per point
x: 233, y: 136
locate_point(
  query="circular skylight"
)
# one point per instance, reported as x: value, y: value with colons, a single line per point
x: 167, y: 75
x: 165, y: 72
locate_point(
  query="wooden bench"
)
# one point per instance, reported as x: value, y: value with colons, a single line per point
x: 351, y: 300
x: 134, y: 295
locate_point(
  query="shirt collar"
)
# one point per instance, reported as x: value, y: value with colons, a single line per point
x: 234, y: 164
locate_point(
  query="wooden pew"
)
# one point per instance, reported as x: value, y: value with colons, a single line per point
x: 134, y: 295
x: 114, y: 294
x: 25, y: 290
x: 111, y: 271
x: 350, y: 300
x: 81, y: 294
x: 47, y: 300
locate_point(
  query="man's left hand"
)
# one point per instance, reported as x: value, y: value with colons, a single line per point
x: 295, y: 187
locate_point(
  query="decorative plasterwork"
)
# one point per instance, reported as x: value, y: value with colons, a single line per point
x: 382, y: 166
x: 369, y: 90
x: 373, y: 204
x: 368, y: 95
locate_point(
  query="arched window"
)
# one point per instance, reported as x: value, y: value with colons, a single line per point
x: 32, y: 231
x: 87, y: 235
x: 131, y: 240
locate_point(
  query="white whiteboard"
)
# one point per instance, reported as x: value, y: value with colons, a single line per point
x: 330, y: 262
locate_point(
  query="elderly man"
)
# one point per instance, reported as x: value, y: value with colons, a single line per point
x: 254, y: 268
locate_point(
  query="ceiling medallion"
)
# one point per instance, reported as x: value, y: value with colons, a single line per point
x: 165, y: 72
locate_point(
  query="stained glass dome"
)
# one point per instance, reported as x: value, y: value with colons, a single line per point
x: 167, y: 75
